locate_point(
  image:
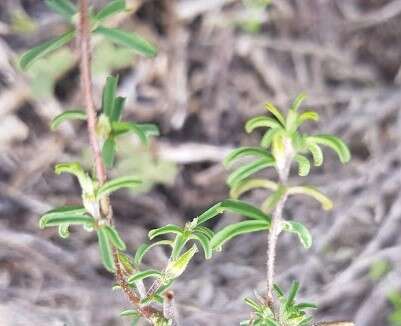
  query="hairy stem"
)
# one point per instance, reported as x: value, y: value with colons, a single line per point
x: 101, y: 174
x: 283, y: 171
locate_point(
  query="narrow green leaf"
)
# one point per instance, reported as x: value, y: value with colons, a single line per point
x: 249, y: 169
x: 169, y: 228
x: 291, y: 121
x: 55, y: 220
x: 261, y: 121
x: 244, y: 209
x: 106, y: 253
x: 130, y: 40
x: 326, y: 203
x: 246, y: 151
x: 145, y: 248
x: 303, y: 165
x: 268, y: 138
x: 249, y: 184
x: 130, y: 313
x: 75, y: 168
x: 114, y: 237
x: 178, y: 245
x: 300, y: 230
x: 276, y: 113
x: 293, y: 292
x: 253, y: 304
x: 317, y: 154
x: 209, y: 213
x: 204, y: 230
x: 279, y: 291
x: 204, y: 243
x: 120, y: 128
x: 116, y: 184
x: 306, y: 305
x: 271, y: 202
x: 63, y: 231
x: 118, y: 108
x: 65, y: 210
x: 29, y: 57
x: 108, y: 151
x: 64, y: 8
x: 67, y: 115
x: 307, y: 115
x: 176, y: 267
x: 109, y: 95
x: 143, y: 275
x: 112, y: 8
x: 298, y: 101
x: 335, y: 143
x: 236, y: 229
x: 149, y: 129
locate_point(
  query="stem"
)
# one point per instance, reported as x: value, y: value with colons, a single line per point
x: 283, y: 171
x: 101, y: 174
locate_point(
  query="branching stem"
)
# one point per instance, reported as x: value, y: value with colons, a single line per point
x: 101, y: 173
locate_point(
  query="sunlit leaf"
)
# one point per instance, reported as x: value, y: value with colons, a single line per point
x: 210, y: 213
x: 246, y: 151
x: 335, y: 143
x: 64, y: 8
x: 130, y: 40
x: 116, y: 184
x: 300, y: 230
x: 249, y: 169
x: 75, y: 168
x: 110, y: 9
x: 261, y: 121
x: 106, y: 253
x: 139, y: 276
x: 114, y: 237
x: 144, y: 249
x: 43, y: 49
x: 169, y: 228
x: 65, y: 210
x: 67, y: 115
x: 236, y: 229
x: 326, y: 203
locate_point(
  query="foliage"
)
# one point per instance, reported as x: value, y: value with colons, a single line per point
x: 291, y: 313
x: 68, y: 11
x: 281, y: 146
x: 395, y: 300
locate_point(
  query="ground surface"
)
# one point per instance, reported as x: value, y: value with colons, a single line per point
x: 211, y: 74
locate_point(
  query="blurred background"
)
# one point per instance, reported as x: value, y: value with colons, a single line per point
x: 218, y: 62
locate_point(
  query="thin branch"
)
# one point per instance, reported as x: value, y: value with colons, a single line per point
x: 86, y: 79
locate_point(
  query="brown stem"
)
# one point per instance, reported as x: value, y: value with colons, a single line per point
x: 86, y: 79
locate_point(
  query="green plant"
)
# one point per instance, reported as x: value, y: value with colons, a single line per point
x: 95, y: 214
x: 395, y: 317
x: 281, y: 146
